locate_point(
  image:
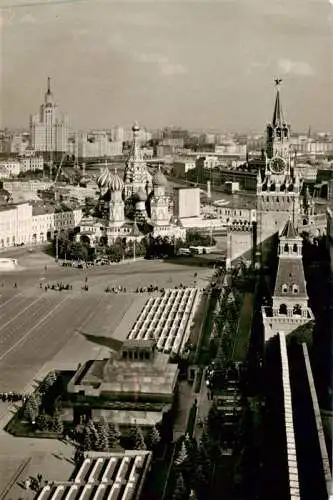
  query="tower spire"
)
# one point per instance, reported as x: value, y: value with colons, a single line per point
x: 277, y: 115
x: 48, y: 85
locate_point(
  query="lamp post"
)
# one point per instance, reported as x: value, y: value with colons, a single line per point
x: 57, y: 248
x: 134, y: 245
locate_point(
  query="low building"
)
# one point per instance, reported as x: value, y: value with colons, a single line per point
x: 138, y: 385
x: 231, y: 187
x: 231, y: 213
x: 247, y: 178
x: 111, y: 475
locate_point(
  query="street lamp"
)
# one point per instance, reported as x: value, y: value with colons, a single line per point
x: 57, y: 248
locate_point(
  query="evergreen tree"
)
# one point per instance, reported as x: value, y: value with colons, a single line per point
x: 137, y: 439
x: 31, y: 408
x: 90, y: 436
x: 182, y: 455
x: 113, y: 436
x: 42, y: 421
x: 154, y: 437
x: 103, y: 435
x: 191, y: 448
x: 48, y: 381
x: 180, y: 488
x: 57, y: 424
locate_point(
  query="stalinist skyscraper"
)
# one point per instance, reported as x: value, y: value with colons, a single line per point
x: 48, y: 128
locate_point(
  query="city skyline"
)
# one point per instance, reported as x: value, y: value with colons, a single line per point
x: 166, y: 63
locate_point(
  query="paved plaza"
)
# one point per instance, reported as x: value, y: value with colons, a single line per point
x: 40, y: 331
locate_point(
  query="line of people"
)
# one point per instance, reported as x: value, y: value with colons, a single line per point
x: 56, y: 286
x: 13, y: 396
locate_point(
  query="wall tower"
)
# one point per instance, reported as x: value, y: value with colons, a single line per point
x: 278, y: 192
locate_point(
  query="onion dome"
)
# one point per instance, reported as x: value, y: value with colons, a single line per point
x: 135, y: 127
x: 141, y: 195
x: 159, y: 179
x: 104, y: 178
x: 116, y: 183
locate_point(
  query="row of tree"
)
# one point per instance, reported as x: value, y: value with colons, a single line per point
x: 194, y: 462
x: 34, y: 409
x: 67, y: 247
x: 168, y: 246
x: 104, y: 436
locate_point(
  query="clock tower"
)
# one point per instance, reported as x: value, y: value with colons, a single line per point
x: 278, y: 192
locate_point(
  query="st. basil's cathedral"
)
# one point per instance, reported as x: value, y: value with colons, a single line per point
x: 139, y: 199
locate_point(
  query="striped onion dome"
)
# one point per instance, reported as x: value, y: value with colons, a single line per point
x: 103, y: 180
x: 159, y: 179
x: 116, y: 183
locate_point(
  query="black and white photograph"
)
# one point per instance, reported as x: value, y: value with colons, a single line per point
x: 166, y: 249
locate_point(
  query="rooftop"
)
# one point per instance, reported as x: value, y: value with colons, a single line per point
x: 290, y: 272
x: 113, y: 476
x: 289, y: 230
x: 132, y: 376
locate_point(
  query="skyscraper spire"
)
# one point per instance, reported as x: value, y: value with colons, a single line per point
x: 48, y: 94
x: 278, y: 118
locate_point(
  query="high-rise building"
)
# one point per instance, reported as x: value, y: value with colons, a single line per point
x: 49, y: 128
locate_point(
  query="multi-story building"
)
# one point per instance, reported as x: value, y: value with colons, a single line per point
x: 97, y: 144
x: 117, y: 134
x: 15, y: 143
x: 231, y: 148
x: 33, y: 224
x: 31, y: 163
x: 207, y: 162
x: 305, y: 145
x: 15, y: 224
x: 182, y: 166
x: 207, y: 138
x: 306, y: 172
x: 9, y: 168
x: 48, y: 128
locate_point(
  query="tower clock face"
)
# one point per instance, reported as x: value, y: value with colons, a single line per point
x: 277, y: 165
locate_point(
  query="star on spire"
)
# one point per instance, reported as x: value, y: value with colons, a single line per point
x: 278, y: 82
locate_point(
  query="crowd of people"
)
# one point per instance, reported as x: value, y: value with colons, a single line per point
x: 56, y: 286
x: 12, y: 397
x: 144, y: 289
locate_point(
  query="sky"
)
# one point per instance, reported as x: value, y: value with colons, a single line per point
x: 199, y: 64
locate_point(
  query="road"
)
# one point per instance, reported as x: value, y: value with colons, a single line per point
x: 34, y: 329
